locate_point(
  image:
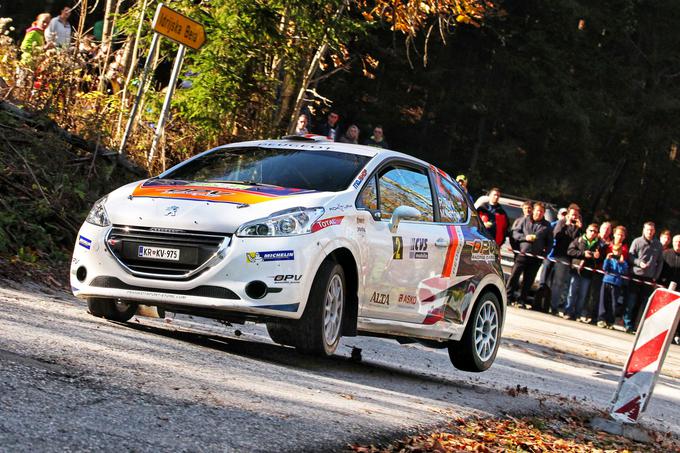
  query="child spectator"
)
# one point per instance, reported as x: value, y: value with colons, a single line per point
x: 615, y: 266
x: 34, y: 41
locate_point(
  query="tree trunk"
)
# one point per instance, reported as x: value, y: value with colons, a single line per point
x: 313, y: 66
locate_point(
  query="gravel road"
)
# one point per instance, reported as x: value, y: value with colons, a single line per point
x: 69, y: 381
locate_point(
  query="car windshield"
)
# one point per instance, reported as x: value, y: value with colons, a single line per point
x: 290, y: 168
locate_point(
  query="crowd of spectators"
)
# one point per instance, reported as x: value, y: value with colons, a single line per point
x: 330, y: 128
x: 49, y: 35
x: 590, y: 273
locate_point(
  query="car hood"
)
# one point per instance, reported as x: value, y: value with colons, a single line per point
x: 212, y: 207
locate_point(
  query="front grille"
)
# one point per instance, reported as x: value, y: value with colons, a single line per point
x: 195, y: 249
x: 216, y: 292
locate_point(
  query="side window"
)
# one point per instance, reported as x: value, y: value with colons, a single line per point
x: 405, y: 187
x: 368, y: 198
x: 452, y: 205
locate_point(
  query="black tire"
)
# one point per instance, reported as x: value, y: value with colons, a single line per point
x: 465, y: 354
x: 311, y: 333
x: 281, y: 333
x: 110, y: 309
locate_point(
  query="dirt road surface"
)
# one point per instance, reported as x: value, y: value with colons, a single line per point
x: 69, y: 381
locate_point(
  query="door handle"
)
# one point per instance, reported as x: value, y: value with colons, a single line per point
x: 441, y: 242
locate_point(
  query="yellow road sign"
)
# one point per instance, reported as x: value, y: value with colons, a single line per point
x: 178, y: 27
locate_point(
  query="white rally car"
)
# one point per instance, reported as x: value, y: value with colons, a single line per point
x: 319, y: 240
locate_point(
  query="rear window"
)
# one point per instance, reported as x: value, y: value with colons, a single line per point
x: 300, y: 169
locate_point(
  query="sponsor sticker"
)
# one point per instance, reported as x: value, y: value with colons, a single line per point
x: 84, y: 242
x: 397, y: 248
x: 418, y: 249
x: 360, y: 178
x: 408, y: 299
x: 340, y: 207
x: 275, y: 255
x: 287, y: 279
x: 380, y: 298
x: 482, y: 250
x: 325, y: 223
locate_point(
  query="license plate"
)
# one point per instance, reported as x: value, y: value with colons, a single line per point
x: 158, y: 253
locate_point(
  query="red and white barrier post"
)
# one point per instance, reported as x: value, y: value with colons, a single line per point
x: 654, y: 336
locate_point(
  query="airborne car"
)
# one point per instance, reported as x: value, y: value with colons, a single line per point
x: 316, y: 239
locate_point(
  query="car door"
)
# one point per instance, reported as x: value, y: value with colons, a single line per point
x: 396, y: 260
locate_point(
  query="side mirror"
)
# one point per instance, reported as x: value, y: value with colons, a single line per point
x: 402, y: 212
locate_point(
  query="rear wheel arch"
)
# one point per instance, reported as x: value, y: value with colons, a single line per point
x: 344, y: 257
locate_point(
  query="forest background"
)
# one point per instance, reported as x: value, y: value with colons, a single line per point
x: 568, y: 101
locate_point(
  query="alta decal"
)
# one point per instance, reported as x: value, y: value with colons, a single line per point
x: 325, y: 223
x: 380, y: 298
x: 408, y: 299
x: 360, y: 178
x: 279, y: 255
x: 84, y: 242
x: 285, y: 279
x: 482, y: 250
x: 418, y: 249
x: 397, y: 248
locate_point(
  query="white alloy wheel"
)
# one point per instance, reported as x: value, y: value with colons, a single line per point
x: 477, y: 348
x: 333, y: 306
x: 486, y: 330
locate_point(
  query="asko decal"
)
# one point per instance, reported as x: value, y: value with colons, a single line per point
x: 482, y: 250
x: 84, y: 242
x: 325, y: 223
x: 397, y: 248
x: 418, y: 249
x: 360, y: 178
x: 277, y: 255
x: 408, y: 299
x: 287, y: 279
x: 380, y: 298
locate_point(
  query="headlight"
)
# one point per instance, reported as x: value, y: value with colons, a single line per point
x: 290, y: 222
x: 98, y: 215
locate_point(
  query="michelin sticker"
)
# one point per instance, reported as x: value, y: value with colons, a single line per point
x: 278, y: 255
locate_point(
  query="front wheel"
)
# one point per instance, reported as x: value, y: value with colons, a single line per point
x: 110, y: 309
x: 320, y: 326
x: 477, y: 349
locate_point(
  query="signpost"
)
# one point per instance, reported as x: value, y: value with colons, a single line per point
x: 187, y: 33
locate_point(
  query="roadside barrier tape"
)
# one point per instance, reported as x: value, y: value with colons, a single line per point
x: 659, y: 321
x: 599, y: 271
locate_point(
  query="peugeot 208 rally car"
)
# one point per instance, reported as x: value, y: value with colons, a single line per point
x: 316, y: 239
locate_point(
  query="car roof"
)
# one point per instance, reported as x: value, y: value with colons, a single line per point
x: 323, y: 144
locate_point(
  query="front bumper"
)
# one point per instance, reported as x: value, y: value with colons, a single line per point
x: 96, y: 272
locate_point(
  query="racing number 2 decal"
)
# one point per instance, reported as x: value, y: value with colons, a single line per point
x: 397, y: 248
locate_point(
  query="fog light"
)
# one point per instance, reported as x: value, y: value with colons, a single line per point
x: 256, y: 289
x: 81, y: 274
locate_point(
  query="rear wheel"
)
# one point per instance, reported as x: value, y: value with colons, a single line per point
x: 319, y: 329
x: 477, y: 349
x: 110, y: 309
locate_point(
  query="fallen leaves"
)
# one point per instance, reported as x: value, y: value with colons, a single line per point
x: 565, y: 433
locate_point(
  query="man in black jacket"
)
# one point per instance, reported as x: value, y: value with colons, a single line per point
x: 585, y: 253
x: 534, y: 237
x: 565, y: 231
x: 329, y: 129
x: 670, y: 272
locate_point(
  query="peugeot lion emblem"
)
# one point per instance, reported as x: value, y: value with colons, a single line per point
x: 171, y: 210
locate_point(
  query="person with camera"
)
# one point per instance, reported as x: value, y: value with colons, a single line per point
x: 565, y: 232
